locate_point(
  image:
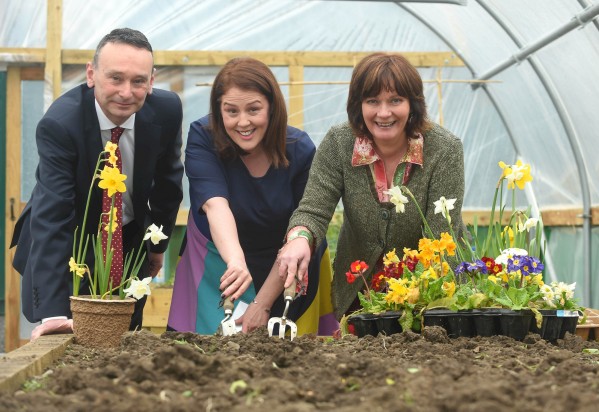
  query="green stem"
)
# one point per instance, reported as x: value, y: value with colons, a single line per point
x: 426, y: 226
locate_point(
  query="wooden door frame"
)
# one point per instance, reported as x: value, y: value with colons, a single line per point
x: 13, y: 204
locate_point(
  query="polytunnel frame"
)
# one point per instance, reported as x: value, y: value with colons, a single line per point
x: 527, y: 53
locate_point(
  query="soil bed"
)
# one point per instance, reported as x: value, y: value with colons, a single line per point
x: 407, y: 371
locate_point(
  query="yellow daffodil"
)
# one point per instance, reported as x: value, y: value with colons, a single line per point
x: 111, y: 147
x: 516, y: 175
x: 112, y: 180
x: 79, y: 270
x: 112, y: 159
x: 507, y: 231
x: 111, y: 228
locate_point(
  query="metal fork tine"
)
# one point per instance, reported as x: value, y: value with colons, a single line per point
x: 282, y: 330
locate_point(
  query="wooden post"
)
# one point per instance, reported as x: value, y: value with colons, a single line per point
x: 53, y: 68
x: 13, y: 202
x: 296, y: 96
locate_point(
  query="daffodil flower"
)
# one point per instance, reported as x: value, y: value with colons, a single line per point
x: 516, y: 175
x: 110, y: 147
x: 529, y: 224
x: 397, y: 198
x: 111, y: 228
x: 154, y: 233
x: 443, y: 206
x: 112, y: 180
x: 74, y: 267
x: 139, y: 288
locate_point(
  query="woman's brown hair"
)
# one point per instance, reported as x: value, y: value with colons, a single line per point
x: 379, y: 72
x: 249, y: 74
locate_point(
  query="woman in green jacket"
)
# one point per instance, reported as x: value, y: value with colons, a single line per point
x: 388, y: 141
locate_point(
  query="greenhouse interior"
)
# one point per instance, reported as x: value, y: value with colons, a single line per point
x: 514, y: 80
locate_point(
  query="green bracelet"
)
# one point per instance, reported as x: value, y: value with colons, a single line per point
x: 301, y: 233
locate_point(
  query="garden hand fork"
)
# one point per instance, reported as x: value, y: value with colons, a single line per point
x: 283, y: 322
x: 227, y: 325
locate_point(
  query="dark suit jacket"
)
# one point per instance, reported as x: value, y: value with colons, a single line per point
x: 68, y: 141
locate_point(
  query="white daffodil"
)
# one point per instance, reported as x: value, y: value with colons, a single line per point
x: 397, y: 198
x: 139, y: 288
x: 154, y: 233
x: 510, y: 253
x: 529, y: 224
x: 443, y: 206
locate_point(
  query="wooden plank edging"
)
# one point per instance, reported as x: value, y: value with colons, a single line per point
x: 31, y: 360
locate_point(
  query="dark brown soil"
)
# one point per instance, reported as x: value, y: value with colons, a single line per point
x: 428, y: 372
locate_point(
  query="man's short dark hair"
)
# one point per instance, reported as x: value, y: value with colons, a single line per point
x: 128, y: 36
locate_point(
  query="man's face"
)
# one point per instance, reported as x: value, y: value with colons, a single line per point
x: 122, y: 79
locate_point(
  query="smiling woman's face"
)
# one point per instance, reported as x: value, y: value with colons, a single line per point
x: 245, y: 117
x: 386, y: 116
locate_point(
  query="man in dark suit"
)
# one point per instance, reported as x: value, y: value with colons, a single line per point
x: 69, y: 137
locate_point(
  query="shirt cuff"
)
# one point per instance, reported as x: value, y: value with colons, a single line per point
x: 44, y: 320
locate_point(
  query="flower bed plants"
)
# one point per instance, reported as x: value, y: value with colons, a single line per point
x: 487, y: 284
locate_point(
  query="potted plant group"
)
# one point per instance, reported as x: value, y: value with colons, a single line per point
x: 101, y: 316
x: 491, y: 283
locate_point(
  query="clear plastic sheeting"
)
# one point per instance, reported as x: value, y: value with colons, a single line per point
x: 542, y: 110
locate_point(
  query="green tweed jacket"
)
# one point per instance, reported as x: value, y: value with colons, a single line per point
x: 371, y: 228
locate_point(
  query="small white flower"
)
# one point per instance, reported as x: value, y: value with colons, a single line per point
x: 529, y: 224
x: 443, y: 206
x: 154, y: 233
x: 397, y: 198
x: 510, y: 253
x: 565, y: 290
x: 139, y: 288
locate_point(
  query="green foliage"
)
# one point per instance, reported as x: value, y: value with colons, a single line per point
x: 333, y: 232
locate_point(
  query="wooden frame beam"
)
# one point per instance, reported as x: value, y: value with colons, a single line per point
x: 219, y: 58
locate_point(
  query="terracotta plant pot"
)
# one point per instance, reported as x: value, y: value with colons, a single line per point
x: 99, y: 323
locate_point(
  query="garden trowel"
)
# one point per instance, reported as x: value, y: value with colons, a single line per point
x: 283, y: 322
x: 227, y: 325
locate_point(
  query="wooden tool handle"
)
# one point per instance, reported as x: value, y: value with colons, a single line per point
x: 290, y: 290
x: 228, y: 304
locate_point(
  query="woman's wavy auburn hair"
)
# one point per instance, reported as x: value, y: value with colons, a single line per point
x: 379, y: 72
x: 248, y: 74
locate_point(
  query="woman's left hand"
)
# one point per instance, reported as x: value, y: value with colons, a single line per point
x: 255, y: 316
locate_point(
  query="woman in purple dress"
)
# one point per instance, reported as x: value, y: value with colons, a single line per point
x: 247, y: 171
